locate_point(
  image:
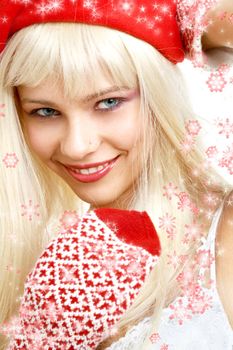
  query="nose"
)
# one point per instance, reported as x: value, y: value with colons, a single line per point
x: 80, y: 139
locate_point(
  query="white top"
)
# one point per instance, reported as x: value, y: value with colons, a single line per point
x: 209, y: 330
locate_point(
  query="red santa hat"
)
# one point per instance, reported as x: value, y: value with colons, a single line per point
x: 152, y: 21
x: 85, y: 280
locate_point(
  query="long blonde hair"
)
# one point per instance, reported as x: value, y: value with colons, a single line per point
x: 71, y: 52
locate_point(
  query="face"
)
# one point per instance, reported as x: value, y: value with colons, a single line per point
x: 91, y: 142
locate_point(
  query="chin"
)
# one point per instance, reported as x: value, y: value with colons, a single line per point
x: 109, y: 199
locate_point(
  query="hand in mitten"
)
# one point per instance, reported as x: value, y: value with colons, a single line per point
x: 85, y: 281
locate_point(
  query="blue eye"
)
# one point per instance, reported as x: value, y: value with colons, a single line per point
x: 109, y: 104
x: 45, y: 112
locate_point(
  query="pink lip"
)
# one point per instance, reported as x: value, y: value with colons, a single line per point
x: 92, y: 177
x: 89, y: 165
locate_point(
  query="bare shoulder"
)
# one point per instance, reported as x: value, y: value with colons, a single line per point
x: 219, y: 33
x: 225, y: 227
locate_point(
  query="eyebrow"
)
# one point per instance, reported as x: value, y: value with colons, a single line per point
x: 85, y: 99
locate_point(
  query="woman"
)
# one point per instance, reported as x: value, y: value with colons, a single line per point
x: 78, y: 96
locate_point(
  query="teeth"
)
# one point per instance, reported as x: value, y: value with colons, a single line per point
x: 90, y: 170
x: 84, y: 171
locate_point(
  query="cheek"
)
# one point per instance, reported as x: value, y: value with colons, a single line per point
x: 42, y: 141
x: 125, y: 130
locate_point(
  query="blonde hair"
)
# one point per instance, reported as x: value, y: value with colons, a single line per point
x: 78, y: 52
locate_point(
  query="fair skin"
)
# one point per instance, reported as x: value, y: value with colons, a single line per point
x: 220, y: 29
x: 84, y: 131
x: 220, y: 34
x: 224, y: 259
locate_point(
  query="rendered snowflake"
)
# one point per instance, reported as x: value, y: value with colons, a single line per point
x: 186, y: 279
x: 204, y: 258
x: 227, y: 159
x: 167, y: 222
x: 164, y: 347
x: 200, y: 303
x: 180, y: 311
x: 12, y: 328
x: 211, y: 151
x: 88, y: 4
x: 55, y: 5
x: 226, y: 127
x: 175, y: 260
x: 30, y: 210
x: 154, y: 338
x: 184, y: 201
x: 126, y: 6
x: 216, y: 82
x: 10, y: 160
x: 4, y: 19
x: 224, y: 68
x: 69, y: 218
x: 187, y: 144
x: 192, y: 233
x: 42, y: 9
x: 170, y: 190
x: 165, y: 9
x: 193, y: 127
x: 211, y: 199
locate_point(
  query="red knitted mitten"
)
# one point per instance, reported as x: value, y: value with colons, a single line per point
x: 85, y: 281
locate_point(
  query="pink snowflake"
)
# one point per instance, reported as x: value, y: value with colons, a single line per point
x: 55, y: 5
x: 10, y: 160
x: 211, y: 199
x: 4, y: 19
x: 223, y: 68
x: 211, y: 151
x: 167, y: 222
x: 175, y: 260
x: 187, y: 144
x: 227, y: 159
x: 69, y: 218
x: 164, y: 347
x: 192, y: 233
x: 216, y: 82
x: 187, y: 282
x: 204, y: 258
x: 126, y: 6
x: 30, y: 210
x: 226, y: 127
x: 180, y: 311
x: 12, y: 328
x: 184, y: 201
x: 154, y: 338
x: 200, y: 303
x: 193, y: 127
x: 88, y: 4
x: 170, y: 190
x: 2, y: 107
x: 171, y: 234
x: 42, y: 9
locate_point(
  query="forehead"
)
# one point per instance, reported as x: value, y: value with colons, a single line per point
x: 55, y: 90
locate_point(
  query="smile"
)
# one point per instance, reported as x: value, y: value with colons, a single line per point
x: 91, y: 174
